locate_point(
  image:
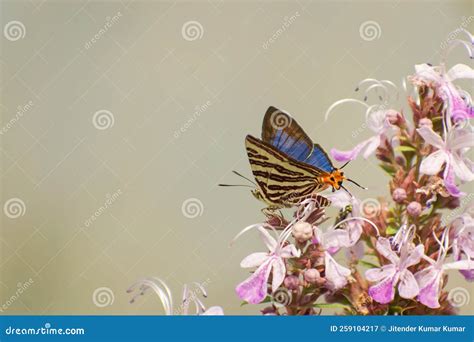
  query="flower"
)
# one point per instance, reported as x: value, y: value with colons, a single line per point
x: 302, y: 231
x: 463, y: 244
x: 291, y: 282
x: 450, y: 151
x: 164, y: 294
x: 414, y: 209
x: 399, y: 195
x: 458, y: 108
x: 254, y: 288
x: 429, y: 279
x: 425, y: 122
x: 396, y: 272
x: 378, y: 122
x: 312, y: 276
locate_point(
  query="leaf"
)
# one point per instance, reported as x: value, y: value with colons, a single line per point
x: 368, y: 264
x: 391, y: 230
x: 388, y: 168
x: 405, y: 148
x: 332, y: 306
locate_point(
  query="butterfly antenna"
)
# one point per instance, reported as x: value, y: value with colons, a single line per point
x: 347, y: 191
x: 238, y: 174
x: 244, y: 185
x: 343, y: 166
x: 360, y: 186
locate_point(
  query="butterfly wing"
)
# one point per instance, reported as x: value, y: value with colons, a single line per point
x: 283, y: 132
x: 282, y: 180
x: 319, y: 158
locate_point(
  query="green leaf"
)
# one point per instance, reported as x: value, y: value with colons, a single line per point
x: 391, y: 230
x: 332, y: 306
x: 389, y: 169
x: 368, y: 264
x: 404, y: 148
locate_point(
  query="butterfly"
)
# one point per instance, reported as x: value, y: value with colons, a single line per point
x: 287, y: 166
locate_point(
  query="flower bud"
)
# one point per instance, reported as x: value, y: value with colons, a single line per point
x: 291, y: 282
x: 312, y: 276
x: 425, y: 122
x: 399, y: 195
x: 394, y: 117
x: 302, y: 231
x: 414, y: 209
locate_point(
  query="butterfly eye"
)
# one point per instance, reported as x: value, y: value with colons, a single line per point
x: 342, y: 173
x: 332, y: 178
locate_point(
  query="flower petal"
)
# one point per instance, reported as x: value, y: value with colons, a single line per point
x: 408, y: 287
x: 254, y: 288
x: 290, y: 251
x: 371, y: 146
x: 377, y: 274
x: 344, y: 156
x: 268, y: 240
x: 384, y: 247
x: 427, y: 72
x: 429, y: 281
x: 432, y: 164
x: 430, y: 136
x: 384, y: 291
x: 460, y: 71
x: 278, y: 274
x: 254, y: 260
x: 412, y: 257
x: 336, y: 274
x: 214, y: 311
x: 460, y: 169
x: 450, y: 183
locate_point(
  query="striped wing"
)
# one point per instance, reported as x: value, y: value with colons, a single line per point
x: 282, y: 180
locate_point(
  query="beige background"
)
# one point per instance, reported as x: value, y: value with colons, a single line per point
x: 151, y: 79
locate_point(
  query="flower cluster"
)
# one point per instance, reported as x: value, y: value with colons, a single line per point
x: 393, y: 259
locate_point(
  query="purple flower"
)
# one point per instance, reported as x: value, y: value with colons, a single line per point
x: 463, y: 244
x: 379, y: 123
x: 429, y: 279
x: 388, y: 276
x: 254, y: 288
x: 450, y: 151
x: 458, y: 108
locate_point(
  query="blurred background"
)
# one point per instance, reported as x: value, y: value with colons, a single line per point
x: 119, y: 119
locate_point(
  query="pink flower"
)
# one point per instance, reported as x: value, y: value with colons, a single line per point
x: 450, y: 151
x: 388, y: 276
x: 254, y: 289
x: 379, y: 123
x: 429, y: 279
x: 458, y: 108
x: 463, y: 244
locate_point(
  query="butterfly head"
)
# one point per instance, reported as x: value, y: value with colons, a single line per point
x: 335, y: 179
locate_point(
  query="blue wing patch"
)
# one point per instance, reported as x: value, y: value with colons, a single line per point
x: 296, y: 149
x: 319, y: 159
